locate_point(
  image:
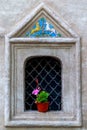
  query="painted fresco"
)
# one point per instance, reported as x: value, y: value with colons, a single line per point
x: 42, y: 28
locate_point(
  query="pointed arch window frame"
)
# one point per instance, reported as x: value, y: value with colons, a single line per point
x: 12, y: 43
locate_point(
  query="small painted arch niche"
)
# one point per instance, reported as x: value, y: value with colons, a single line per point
x: 48, y: 71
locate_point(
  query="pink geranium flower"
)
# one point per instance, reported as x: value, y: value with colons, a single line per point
x: 36, y: 91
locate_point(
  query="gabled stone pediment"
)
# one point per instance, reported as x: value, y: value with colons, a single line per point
x: 42, y: 22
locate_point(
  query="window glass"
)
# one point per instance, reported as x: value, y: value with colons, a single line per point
x: 48, y: 71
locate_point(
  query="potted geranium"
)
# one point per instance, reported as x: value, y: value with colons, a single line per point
x: 41, y: 98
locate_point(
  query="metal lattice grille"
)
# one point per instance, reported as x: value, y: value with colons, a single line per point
x: 48, y: 71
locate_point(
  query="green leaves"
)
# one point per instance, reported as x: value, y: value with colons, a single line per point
x: 42, y: 97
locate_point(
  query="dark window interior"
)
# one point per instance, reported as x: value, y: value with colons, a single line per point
x: 48, y: 71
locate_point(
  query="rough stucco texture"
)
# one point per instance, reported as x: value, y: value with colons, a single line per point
x: 74, y: 12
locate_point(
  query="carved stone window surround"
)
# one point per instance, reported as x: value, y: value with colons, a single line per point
x: 18, y: 49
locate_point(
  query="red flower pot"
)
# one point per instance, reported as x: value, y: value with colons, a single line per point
x: 43, y: 107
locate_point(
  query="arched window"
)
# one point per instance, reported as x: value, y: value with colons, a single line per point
x: 48, y: 70
x: 35, y: 49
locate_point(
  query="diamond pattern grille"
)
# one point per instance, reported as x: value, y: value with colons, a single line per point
x: 48, y: 71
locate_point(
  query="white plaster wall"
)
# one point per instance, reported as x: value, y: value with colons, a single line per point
x: 73, y: 12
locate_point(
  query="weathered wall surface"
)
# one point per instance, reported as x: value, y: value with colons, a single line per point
x: 73, y: 12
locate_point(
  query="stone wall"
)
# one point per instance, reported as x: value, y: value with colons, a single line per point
x: 73, y: 12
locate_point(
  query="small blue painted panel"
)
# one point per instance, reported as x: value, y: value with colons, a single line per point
x: 42, y: 29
